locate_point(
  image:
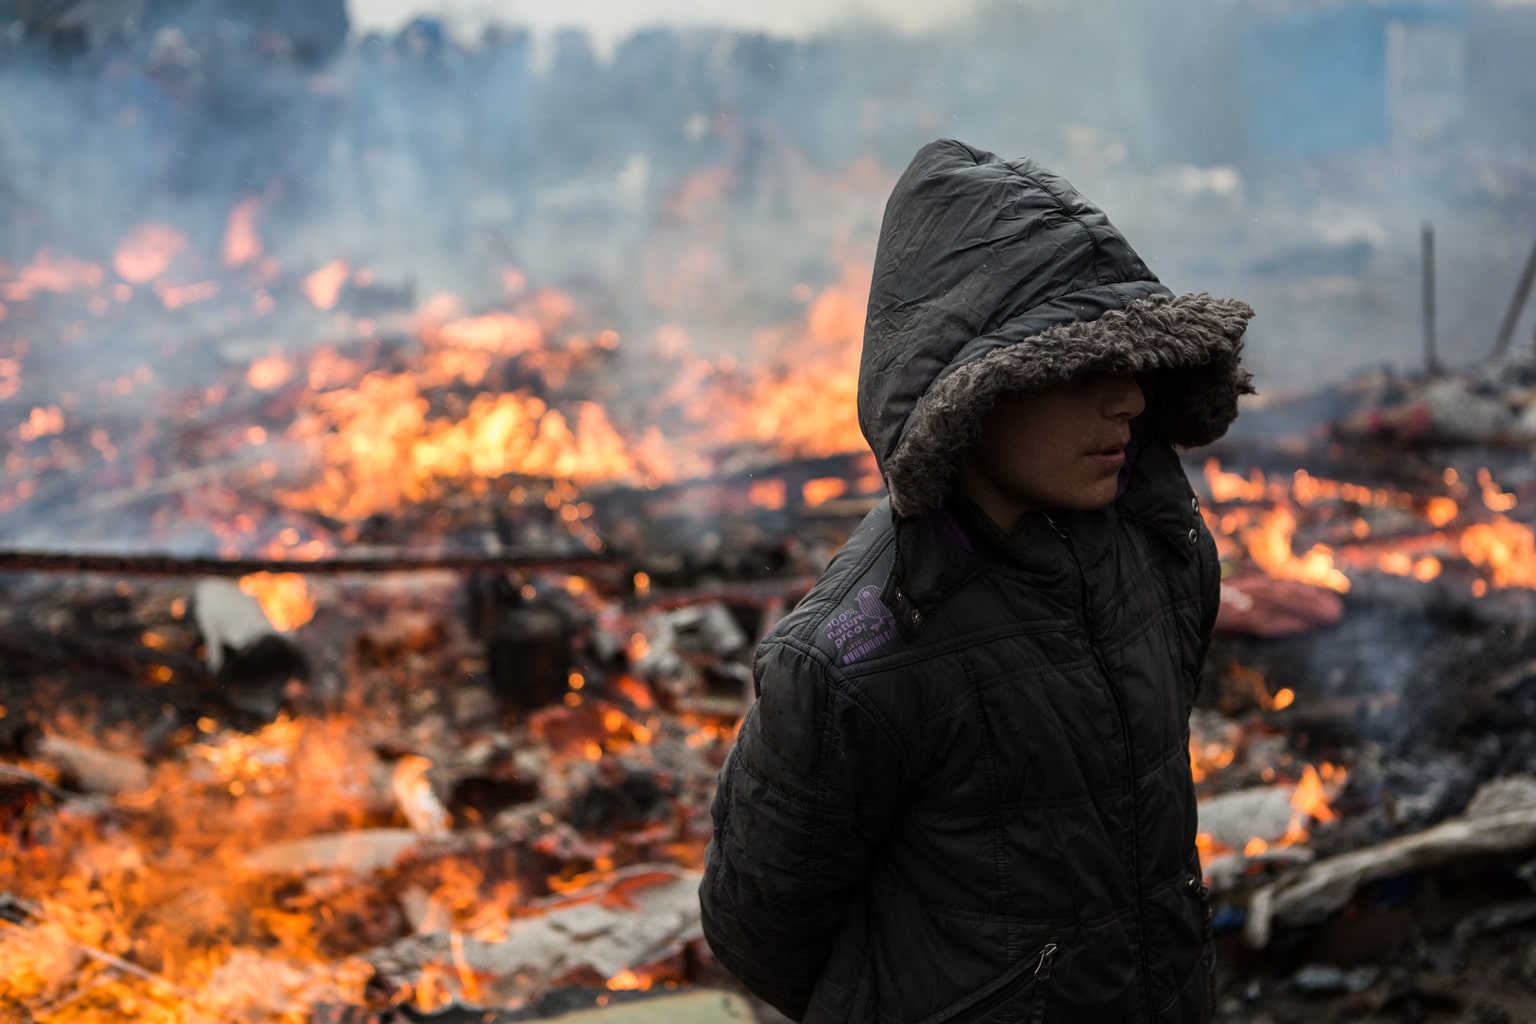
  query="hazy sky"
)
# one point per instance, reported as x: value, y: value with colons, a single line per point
x: 610, y: 19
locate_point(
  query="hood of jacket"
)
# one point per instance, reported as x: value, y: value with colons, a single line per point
x: 996, y: 277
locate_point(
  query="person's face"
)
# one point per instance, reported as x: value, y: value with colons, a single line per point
x: 1061, y: 448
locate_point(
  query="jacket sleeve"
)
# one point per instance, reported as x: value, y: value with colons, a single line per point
x: 805, y: 796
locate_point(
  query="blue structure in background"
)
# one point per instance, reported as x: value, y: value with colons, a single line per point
x: 1318, y: 81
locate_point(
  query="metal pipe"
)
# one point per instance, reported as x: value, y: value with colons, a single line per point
x: 162, y: 564
x: 1431, y: 360
x: 1516, y: 304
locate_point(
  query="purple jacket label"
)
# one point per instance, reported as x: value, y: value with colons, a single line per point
x: 864, y: 628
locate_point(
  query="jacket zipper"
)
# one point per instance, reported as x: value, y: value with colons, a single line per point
x: 1042, y: 979
x: 1085, y: 614
x: 978, y: 1007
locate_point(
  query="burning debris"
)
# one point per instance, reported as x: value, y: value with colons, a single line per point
x: 443, y: 730
x: 467, y: 775
x: 365, y: 850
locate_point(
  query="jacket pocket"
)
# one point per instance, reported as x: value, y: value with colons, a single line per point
x: 1032, y: 972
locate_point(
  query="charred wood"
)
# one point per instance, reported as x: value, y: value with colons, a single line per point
x: 38, y: 646
x: 528, y: 642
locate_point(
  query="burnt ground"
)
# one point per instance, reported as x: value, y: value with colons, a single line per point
x: 1420, y: 693
x: 1423, y: 703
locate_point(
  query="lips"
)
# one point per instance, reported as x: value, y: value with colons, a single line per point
x: 1109, y: 455
x: 1115, y: 449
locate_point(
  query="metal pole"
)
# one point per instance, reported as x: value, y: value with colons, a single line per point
x: 1431, y: 361
x: 1516, y: 304
x: 163, y: 564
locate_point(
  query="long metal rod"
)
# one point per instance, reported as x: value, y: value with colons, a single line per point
x: 1431, y: 359
x: 1516, y: 304
x: 163, y: 564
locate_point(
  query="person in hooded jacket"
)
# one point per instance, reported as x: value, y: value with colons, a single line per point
x: 964, y: 790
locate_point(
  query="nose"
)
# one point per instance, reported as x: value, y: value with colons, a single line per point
x: 1122, y: 397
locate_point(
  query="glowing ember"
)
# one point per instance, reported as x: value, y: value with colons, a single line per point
x: 768, y: 494
x: 627, y: 980
x: 1505, y: 549
x: 269, y: 373
x: 1206, y: 758
x: 1441, y: 510
x: 823, y: 490
x: 1495, y: 499
x: 146, y: 253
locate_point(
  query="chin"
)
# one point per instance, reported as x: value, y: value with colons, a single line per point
x: 1092, y: 501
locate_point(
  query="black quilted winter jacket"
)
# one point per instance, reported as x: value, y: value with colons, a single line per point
x: 964, y: 791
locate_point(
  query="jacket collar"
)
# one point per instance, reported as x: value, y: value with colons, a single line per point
x: 939, y: 551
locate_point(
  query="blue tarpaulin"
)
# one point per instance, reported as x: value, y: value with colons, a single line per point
x: 1317, y: 81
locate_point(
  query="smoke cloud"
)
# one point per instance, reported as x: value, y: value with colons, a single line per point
x: 706, y: 183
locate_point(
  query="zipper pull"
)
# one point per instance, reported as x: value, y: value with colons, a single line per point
x: 1059, y: 531
x: 1043, y: 968
x: 1042, y: 975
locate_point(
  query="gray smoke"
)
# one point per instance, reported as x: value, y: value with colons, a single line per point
x: 697, y: 176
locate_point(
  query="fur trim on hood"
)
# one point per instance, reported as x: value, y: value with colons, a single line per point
x: 1192, y: 343
x: 996, y: 277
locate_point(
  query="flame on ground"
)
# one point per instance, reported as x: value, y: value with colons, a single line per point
x: 156, y: 919
x: 284, y: 597
x: 1311, y: 799
x: 1258, y: 519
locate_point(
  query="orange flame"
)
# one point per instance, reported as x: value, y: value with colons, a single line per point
x: 1505, y: 549
x: 822, y: 490
x: 383, y: 448
x: 1310, y: 799
x: 628, y: 981
x: 284, y: 598
x: 154, y: 892
x: 808, y: 407
x: 1495, y: 499
x: 1269, y: 544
